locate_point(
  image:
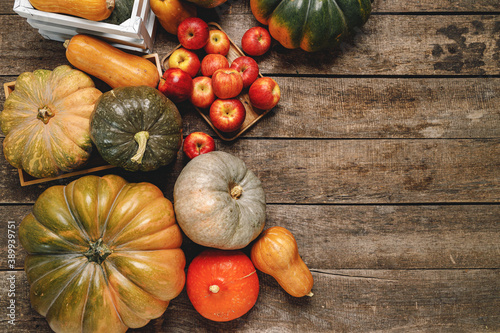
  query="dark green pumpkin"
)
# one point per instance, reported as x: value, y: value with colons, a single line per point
x: 312, y: 25
x: 136, y: 128
x: 121, y: 12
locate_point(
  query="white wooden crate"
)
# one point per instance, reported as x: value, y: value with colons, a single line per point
x: 136, y: 34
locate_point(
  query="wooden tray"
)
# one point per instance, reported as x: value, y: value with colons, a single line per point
x: 94, y: 163
x: 252, y: 114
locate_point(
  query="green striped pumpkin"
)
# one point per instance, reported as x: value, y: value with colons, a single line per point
x: 136, y: 128
x: 46, y: 121
x: 312, y: 25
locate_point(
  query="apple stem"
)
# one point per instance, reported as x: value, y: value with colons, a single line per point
x: 214, y: 288
x: 141, y: 138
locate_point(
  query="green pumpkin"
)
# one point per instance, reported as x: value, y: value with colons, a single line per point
x: 136, y: 128
x: 121, y: 12
x: 312, y: 25
x: 46, y: 121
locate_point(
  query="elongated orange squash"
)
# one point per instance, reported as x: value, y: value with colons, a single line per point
x: 113, y: 66
x: 94, y: 10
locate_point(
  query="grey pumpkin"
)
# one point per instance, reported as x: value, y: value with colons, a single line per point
x: 219, y: 202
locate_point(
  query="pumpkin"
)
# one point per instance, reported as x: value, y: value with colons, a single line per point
x: 121, y: 12
x: 94, y: 10
x: 45, y: 121
x: 275, y: 253
x: 109, y: 64
x: 219, y: 202
x: 136, y: 128
x: 171, y: 13
x: 312, y: 25
x: 103, y: 254
x: 222, y: 285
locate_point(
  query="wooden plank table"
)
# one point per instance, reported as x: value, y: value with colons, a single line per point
x: 382, y: 158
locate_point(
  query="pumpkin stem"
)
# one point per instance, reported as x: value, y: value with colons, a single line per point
x: 110, y: 4
x: 236, y: 191
x: 214, y: 288
x: 142, y: 139
x: 310, y: 294
x: 98, y: 251
x: 44, y: 114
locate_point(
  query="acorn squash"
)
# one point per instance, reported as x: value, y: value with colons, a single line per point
x: 103, y: 255
x: 121, y: 13
x: 136, y: 128
x: 46, y: 121
x: 312, y: 25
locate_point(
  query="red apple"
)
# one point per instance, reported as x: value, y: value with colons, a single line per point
x: 176, y: 84
x: 227, y: 83
x: 256, y: 41
x: 203, y: 94
x: 186, y: 60
x: 193, y: 33
x: 248, y: 69
x: 227, y: 115
x: 218, y: 43
x: 198, y: 143
x: 213, y: 62
x: 264, y: 93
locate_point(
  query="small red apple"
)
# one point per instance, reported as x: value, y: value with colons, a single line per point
x: 186, y: 60
x: 256, y: 41
x: 248, y: 68
x: 193, y: 33
x: 218, y: 43
x: 198, y: 143
x: 176, y: 84
x: 227, y: 115
x: 213, y: 62
x: 227, y: 83
x: 203, y: 94
x: 264, y: 93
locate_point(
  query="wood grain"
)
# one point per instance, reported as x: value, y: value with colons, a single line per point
x: 344, y: 301
x: 363, y: 237
x: 338, y: 171
x: 387, y: 45
x: 372, y: 108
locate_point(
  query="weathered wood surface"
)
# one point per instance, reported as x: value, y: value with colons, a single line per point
x: 365, y: 237
x: 387, y: 45
x: 382, y: 158
x: 358, y: 108
x: 339, y: 171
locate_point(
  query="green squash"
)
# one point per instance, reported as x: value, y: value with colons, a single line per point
x: 208, y: 3
x: 136, y: 128
x: 46, y: 121
x: 312, y: 25
x: 121, y: 12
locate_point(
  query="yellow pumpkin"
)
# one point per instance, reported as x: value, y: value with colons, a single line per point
x: 46, y: 121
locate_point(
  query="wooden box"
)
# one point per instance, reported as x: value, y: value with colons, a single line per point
x: 253, y: 115
x: 135, y: 34
x: 94, y: 163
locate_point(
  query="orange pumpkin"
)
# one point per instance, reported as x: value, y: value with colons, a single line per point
x: 222, y: 285
x: 171, y: 13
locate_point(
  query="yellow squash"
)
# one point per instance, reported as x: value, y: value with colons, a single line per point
x: 113, y: 66
x: 275, y: 253
x: 94, y: 10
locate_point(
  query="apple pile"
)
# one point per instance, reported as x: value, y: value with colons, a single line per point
x: 213, y: 83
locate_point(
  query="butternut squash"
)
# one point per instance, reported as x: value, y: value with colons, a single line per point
x: 275, y: 253
x: 109, y: 64
x: 94, y: 10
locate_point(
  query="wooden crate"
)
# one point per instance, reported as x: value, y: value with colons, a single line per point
x: 94, y: 163
x: 135, y: 34
x: 252, y: 116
